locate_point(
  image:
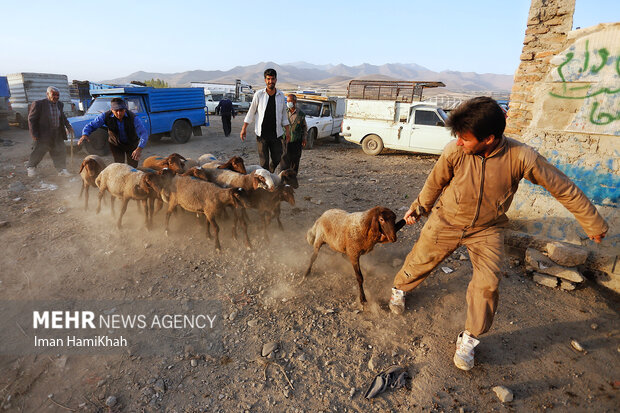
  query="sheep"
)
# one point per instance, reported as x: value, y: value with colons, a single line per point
x: 268, y: 204
x: 234, y: 164
x: 353, y: 234
x: 174, y: 161
x: 207, y: 157
x: 196, y: 195
x: 231, y: 179
x: 286, y: 176
x: 126, y: 183
x: 91, y: 167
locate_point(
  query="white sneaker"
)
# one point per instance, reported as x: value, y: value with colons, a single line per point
x: 464, y: 355
x: 64, y: 172
x: 397, y: 301
x: 32, y: 172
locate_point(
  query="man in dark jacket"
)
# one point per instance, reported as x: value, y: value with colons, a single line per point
x: 126, y: 133
x: 47, y: 123
x: 226, y: 109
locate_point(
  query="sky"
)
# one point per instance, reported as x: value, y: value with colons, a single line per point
x: 104, y: 40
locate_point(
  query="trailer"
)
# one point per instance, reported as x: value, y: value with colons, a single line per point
x: 27, y: 88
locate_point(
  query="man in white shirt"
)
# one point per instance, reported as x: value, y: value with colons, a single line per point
x: 272, y: 122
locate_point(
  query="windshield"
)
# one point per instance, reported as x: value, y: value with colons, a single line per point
x: 310, y: 108
x: 100, y: 105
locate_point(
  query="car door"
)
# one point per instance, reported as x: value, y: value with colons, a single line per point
x: 427, y: 133
x: 137, y: 106
x: 325, y: 126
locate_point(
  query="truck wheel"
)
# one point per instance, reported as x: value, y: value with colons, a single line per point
x: 23, y: 122
x: 181, y: 131
x: 97, y: 143
x: 372, y: 145
x: 336, y: 137
x: 310, y: 139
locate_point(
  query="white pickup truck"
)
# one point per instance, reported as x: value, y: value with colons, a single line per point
x: 382, y: 114
x: 323, y: 116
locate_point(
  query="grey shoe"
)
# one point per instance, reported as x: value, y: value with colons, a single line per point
x: 64, y: 172
x: 32, y: 172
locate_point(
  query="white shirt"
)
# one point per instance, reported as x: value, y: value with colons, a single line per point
x: 259, y: 104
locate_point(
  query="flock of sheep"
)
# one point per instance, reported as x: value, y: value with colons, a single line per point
x: 210, y: 187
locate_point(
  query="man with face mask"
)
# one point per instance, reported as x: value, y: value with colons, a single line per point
x: 299, y: 133
x: 48, y: 128
x: 271, y: 124
x: 126, y: 133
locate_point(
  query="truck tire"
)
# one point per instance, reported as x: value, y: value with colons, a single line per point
x: 310, y: 139
x: 181, y: 131
x: 336, y: 137
x: 23, y: 122
x: 372, y: 145
x: 97, y: 143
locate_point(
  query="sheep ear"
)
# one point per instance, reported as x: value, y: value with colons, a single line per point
x: 375, y: 227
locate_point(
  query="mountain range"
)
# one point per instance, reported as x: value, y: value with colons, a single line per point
x: 334, y: 77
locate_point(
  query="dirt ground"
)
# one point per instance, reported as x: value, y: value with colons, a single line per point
x: 329, y: 351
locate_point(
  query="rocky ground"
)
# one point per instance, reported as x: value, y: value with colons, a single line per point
x: 322, y: 351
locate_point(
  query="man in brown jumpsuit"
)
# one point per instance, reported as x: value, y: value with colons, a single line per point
x: 474, y: 182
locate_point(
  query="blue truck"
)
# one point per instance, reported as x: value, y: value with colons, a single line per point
x: 174, y: 112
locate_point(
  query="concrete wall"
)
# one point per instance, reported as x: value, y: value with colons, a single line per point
x: 566, y: 103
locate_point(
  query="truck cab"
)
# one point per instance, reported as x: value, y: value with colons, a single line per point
x: 177, y: 112
x: 323, y: 116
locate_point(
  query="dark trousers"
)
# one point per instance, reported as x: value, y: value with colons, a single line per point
x: 273, y: 146
x: 226, y: 123
x: 291, y: 156
x: 120, y: 152
x: 56, y: 148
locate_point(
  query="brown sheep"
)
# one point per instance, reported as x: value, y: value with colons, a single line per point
x: 233, y: 164
x: 353, y: 234
x: 268, y: 204
x: 174, y: 161
x: 196, y: 195
x: 90, y: 169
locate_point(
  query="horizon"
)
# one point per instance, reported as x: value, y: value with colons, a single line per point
x: 176, y: 38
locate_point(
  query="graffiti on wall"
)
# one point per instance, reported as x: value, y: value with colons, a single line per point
x: 589, y: 71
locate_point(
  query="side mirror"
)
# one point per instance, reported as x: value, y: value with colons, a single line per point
x: 440, y: 123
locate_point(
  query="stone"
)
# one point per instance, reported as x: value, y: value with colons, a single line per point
x: 463, y: 257
x: 193, y: 363
x: 566, y: 285
x: 4, y: 224
x: 546, y: 280
x: 503, y: 393
x: 233, y: 315
x: 372, y: 363
x: 352, y: 392
x: 17, y: 187
x: 269, y: 348
x: 111, y: 401
x: 577, y: 346
x: 566, y: 255
x: 540, y: 263
x: 253, y: 323
x: 159, y: 386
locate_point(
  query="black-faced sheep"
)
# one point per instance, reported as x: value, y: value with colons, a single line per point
x: 90, y: 169
x: 353, y: 234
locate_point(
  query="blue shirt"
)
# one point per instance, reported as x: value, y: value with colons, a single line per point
x: 99, y: 121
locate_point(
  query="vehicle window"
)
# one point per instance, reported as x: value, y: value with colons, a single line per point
x: 426, y: 117
x: 326, y: 111
x: 310, y: 108
x: 134, y: 104
x: 99, y: 105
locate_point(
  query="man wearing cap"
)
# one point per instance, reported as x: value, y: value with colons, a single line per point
x: 126, y: 133
x: 48, y: 126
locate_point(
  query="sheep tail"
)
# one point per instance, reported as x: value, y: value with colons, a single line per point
x: 311, y: 235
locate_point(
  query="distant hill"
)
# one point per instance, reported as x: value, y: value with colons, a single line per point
x: 307, y: 75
